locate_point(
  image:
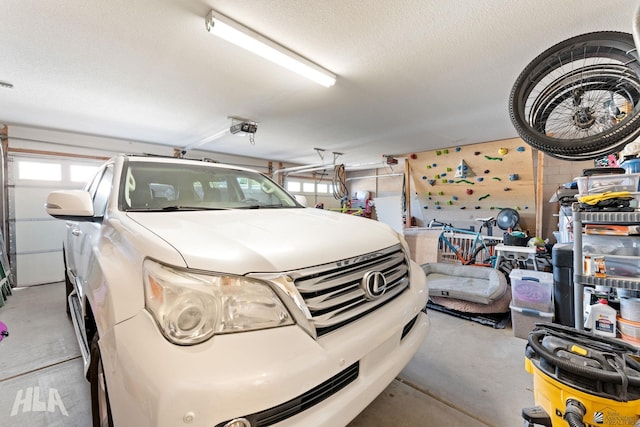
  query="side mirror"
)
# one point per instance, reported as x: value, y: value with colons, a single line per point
x: 73, y: 205
x: 301, y: 199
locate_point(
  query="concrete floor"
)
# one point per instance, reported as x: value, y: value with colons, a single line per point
x: 465, y: 374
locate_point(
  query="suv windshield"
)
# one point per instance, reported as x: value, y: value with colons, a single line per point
x: 158, y: 186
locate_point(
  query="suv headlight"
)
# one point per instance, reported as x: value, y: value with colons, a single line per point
x: 191, y: 307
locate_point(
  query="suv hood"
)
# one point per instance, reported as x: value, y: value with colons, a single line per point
x: 265, y: 240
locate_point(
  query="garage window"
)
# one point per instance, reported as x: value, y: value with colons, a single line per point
x: 40, y: 171
x: 294, y: 186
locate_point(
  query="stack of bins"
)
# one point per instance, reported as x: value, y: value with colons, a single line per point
x: 531, y: 300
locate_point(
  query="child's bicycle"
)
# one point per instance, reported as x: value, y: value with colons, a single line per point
x: 466, y: 246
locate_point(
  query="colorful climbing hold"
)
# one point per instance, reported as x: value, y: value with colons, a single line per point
x: 469, y: 191
x: 483, y: 197
x: 449, y: 202
x: 476, y: 207
x: 503, y: 151
x: 438, y: 152
x: 450, y: 181
x: 424, y: 177
x: 455, y: 197
x: 507, y: 189
x: 520, y: 149
x: 514, y: 177
x: 432, y: 182
x: 492, y: 158
x: 414, y: 156
x: 428, y: 166
x: 476, y: 153
x: 458, y: 149
x: 496, y: 178
x: 466, y: 181
x: 440, y: 193
x: 437, y: 176
x: 445, y: 151
x: 444, y: 174
x: 480, y: 179
x: 463, y: 207
x: 449, y: 169
x: 487, y: 171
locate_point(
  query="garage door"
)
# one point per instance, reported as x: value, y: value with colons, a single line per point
x: 35, y: 237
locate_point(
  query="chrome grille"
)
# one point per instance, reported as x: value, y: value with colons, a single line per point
x: 334, y: 292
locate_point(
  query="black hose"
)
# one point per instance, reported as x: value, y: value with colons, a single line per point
x: 574, y: 420
x: 606, y: 376
x: 339, y: 182
x: 574, y: 413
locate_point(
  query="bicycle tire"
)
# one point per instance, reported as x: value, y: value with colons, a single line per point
x: 580, y: 99
x: 479, y: 248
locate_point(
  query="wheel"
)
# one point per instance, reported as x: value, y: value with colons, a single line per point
x: 505, y: 266
x: 482, y: 253
x: 100, y: 408
x: 580, y: 99
x: 68, y: 285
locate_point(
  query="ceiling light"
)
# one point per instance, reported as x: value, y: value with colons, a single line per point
x: 242, y: 36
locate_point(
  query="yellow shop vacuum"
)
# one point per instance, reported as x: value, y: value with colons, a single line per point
x: 581, y: 380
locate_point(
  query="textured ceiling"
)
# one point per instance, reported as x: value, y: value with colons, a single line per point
x: 413, y: 75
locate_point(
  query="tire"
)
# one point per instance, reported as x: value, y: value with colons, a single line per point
x: 100, y: 409
x: 478, y: 249
x: 580, y: 99
x: 67, y: 284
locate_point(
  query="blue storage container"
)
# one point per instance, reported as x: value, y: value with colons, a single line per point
x: 631, y: 166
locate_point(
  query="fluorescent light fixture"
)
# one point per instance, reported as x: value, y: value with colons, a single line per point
x: 248, y: 39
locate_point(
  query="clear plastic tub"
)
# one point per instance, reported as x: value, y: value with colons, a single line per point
x: 532, y: 290
x: 604, y: 183
x: 593, y: 244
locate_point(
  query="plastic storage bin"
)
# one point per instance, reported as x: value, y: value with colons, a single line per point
x: 531, y: 300
x: 630, y: 309
x: 610, y: 245
x: 523, y: 320
x: 532, y: 289
x: 629, y: 331
x: 631, y: 166
x: 603, y: 183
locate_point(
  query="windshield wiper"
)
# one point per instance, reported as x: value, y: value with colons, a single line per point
x: 190, y: 208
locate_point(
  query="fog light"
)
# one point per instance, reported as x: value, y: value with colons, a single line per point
x: 238, y: 422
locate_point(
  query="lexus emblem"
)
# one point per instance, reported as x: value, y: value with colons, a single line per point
x: 374, y: 285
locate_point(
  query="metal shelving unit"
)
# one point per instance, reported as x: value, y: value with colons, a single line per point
x: 579, y: 279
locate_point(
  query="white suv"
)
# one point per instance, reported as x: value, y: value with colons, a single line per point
x: 205, y: 295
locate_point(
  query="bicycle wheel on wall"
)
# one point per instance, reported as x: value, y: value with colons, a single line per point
x: 580, y: 99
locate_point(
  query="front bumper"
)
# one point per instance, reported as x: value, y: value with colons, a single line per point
x: 152, y: 382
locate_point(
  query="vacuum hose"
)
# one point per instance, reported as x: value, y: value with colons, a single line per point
x: 574, y: 413
x: 599, y: 374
